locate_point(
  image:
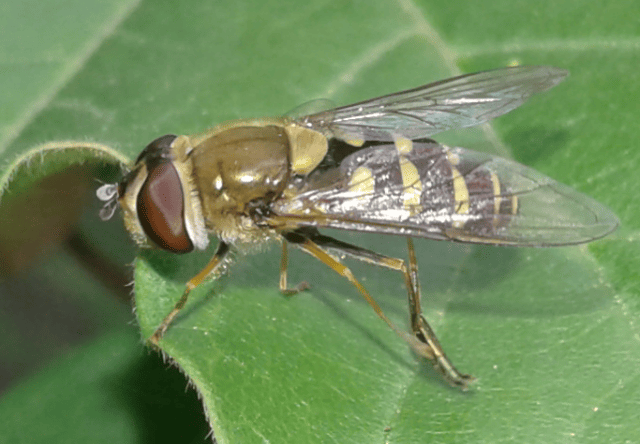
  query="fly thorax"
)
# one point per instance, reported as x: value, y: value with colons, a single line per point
x: 240, y: 165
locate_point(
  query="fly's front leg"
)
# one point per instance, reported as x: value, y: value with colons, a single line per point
x: 283, y: 275
x: 198, y: 279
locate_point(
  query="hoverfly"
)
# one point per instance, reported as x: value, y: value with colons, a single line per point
x: 366, y: 167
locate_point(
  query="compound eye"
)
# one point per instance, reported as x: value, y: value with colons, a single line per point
x: 157, y: 149
x: 160, y: 206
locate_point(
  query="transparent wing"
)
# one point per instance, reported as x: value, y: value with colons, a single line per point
x: 446, y: 193
x: 316, y: 106
x: 458, y: 102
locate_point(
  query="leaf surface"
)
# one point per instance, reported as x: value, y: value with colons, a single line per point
x: 551, y: 334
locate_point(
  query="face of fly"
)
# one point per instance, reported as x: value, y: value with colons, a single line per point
x: 158, y: 210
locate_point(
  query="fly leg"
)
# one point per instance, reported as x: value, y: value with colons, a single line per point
x: 198, y: 279
x: 421, y: 328
x: 423, y: 340
x: 283, y: 275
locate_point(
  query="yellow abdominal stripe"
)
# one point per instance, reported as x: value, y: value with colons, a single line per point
x: 497, y: 198
x: 497, y: 194
x: 410, y: 177
x: 460, y: 195
x: 361, y: 181
x: 453, y: 158
x: 404, y: 145
x: 412, y: 185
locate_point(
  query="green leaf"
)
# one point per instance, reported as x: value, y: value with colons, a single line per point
x: 110, y: 391
x: 552, y: 335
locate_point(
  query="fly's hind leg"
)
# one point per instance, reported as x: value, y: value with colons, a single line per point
x: 423, y: 340
x: 421, y: 328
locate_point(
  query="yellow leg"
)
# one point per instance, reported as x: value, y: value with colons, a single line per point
x: 423, y: 340
x: 283, y: 275
x: 195, y: 281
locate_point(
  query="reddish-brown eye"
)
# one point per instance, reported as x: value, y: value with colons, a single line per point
x: 161, y: 209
